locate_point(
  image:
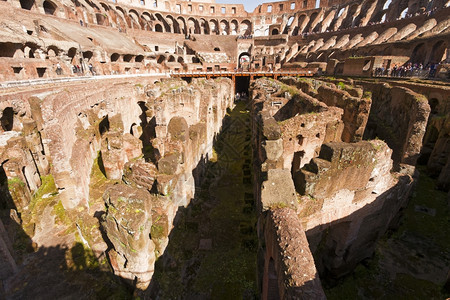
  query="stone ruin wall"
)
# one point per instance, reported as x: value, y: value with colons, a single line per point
x: 349, y: 190
x: 152, y: 140
x: 339, y: 190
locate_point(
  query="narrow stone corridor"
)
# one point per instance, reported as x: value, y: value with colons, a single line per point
x: 212, y: 248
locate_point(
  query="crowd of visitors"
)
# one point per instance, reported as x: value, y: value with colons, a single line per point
x: 408, y: 70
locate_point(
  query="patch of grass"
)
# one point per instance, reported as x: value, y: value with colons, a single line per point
x: 367, y: 95
x: 435, y: 227
x: 341, y: 85
x: 371, y: 279
x: 60, y: 213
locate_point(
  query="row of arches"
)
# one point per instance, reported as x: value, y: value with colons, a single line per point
x: 423, y: 54
x: 48, y: 7
x: 180, y: 24
x: 350, y: 15
x: 301, y: 22
x: 122, y: 18
x: 361, y: 38
x: 426, y: 54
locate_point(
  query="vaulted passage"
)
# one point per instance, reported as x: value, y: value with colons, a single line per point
x: 212, y: 249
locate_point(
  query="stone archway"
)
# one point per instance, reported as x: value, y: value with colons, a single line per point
x: 438, y: 52
x: 419, y: 54
x: 27, y: 4
x: 49, y: 7
x: 244, y: 60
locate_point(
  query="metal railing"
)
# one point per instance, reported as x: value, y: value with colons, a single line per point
x: 41, y: 81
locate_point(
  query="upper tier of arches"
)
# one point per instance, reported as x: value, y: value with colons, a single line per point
x: 298, y: 19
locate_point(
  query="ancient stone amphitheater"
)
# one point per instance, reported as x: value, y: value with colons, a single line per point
x: 193, y: 150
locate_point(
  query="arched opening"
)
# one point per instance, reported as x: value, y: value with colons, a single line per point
x: 49, y: 7
x: 349, y: 19
x: 26, y: 4
x: 105, y: 6
x: 134, y: 18
x: 52, y: 51
x: 245, y: 28
x: 92, y: 4
x: 158, y: 28
x: 438, y: 52
x: 311, y: 22
x: 72, y: 52
x: 163, y: 22
x: 127, y: 57
x: 171, y: 58
x: 8, y: 49
x: 386, y: 4
x: 195, y: 60
x: 182, y: 24
x: 161, y: 59
x: 31, y: 53
x: 274, y: 31
x: 7, y: 119
x: 139, y: 58
x: 288, y: 25
x: 214, y: 26
x: 419, y: 53
x: 172, y: 21
x: 180, y: 60
x: 434, y: 105
x: 103, y: 126
x: 403, y: 13
x: 88, y: 55
x: 244, y: 60
x: 101, y: 19
x: 224, y: 27
x: 115, y: 57
x: 217, y: 49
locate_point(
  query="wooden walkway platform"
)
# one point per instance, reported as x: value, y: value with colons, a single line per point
x: 251, y: 74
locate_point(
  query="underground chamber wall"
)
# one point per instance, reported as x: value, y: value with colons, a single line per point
x: 212, y: 249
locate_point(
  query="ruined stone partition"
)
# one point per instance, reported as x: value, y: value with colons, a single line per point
x: 289, y: 271
x: 352, y: 100
x: 344, y: 195
x: 398, y: 116
x: 349, y: 197
x: 125, y: 152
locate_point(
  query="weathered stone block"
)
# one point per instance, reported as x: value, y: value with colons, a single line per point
x: 273, y: 149
x: 178, y: 129
x: 113, y: 162
x: 132, y: 146
x: 169, y: 164
x: 278, y: 190
x: 127, y: 224
x: 271, y: 129
x: 140, y: 174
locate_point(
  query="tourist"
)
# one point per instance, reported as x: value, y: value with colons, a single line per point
x: 58, y: 69
x: 91, y: 69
